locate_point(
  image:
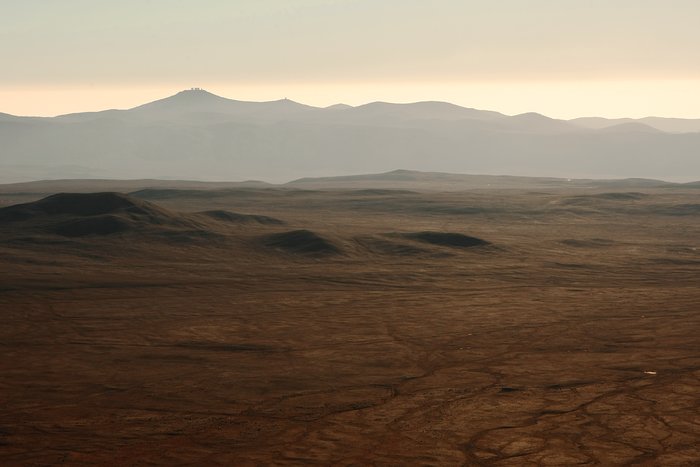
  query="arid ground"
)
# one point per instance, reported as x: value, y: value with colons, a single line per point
x: 351, y: 327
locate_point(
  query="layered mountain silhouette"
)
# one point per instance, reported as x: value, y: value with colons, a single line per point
x: 198, y: 135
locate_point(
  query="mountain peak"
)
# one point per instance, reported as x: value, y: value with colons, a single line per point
x: 195, y: 92
x: 339, y: 106
x: 532, y: 116
x: 193, y: 99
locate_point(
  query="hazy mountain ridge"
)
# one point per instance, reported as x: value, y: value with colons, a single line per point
x: 668, y: 125
x: 392, y: 182
x: 410, y: 179
x: 198, y: 101
x: 196, y: 134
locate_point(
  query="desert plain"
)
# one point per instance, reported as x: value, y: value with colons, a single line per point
x: 298, y: 326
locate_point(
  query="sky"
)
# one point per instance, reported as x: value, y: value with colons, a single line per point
x: 562, y: 58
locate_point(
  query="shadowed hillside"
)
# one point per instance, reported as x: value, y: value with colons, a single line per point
x: 449, y: 239
x: 78, y: 215
x: 236, y: 218
x: 301, y: 242
x: 101, y: 214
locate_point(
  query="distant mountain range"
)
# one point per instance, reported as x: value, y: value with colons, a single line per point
x: 379, y: 183
x: 198, y: 135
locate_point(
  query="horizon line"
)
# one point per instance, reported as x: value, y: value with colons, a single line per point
x: 562, y: 101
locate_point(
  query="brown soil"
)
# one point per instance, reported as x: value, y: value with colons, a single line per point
x: 570, y: 338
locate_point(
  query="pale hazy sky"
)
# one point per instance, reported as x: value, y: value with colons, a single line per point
x: 563, y: 58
